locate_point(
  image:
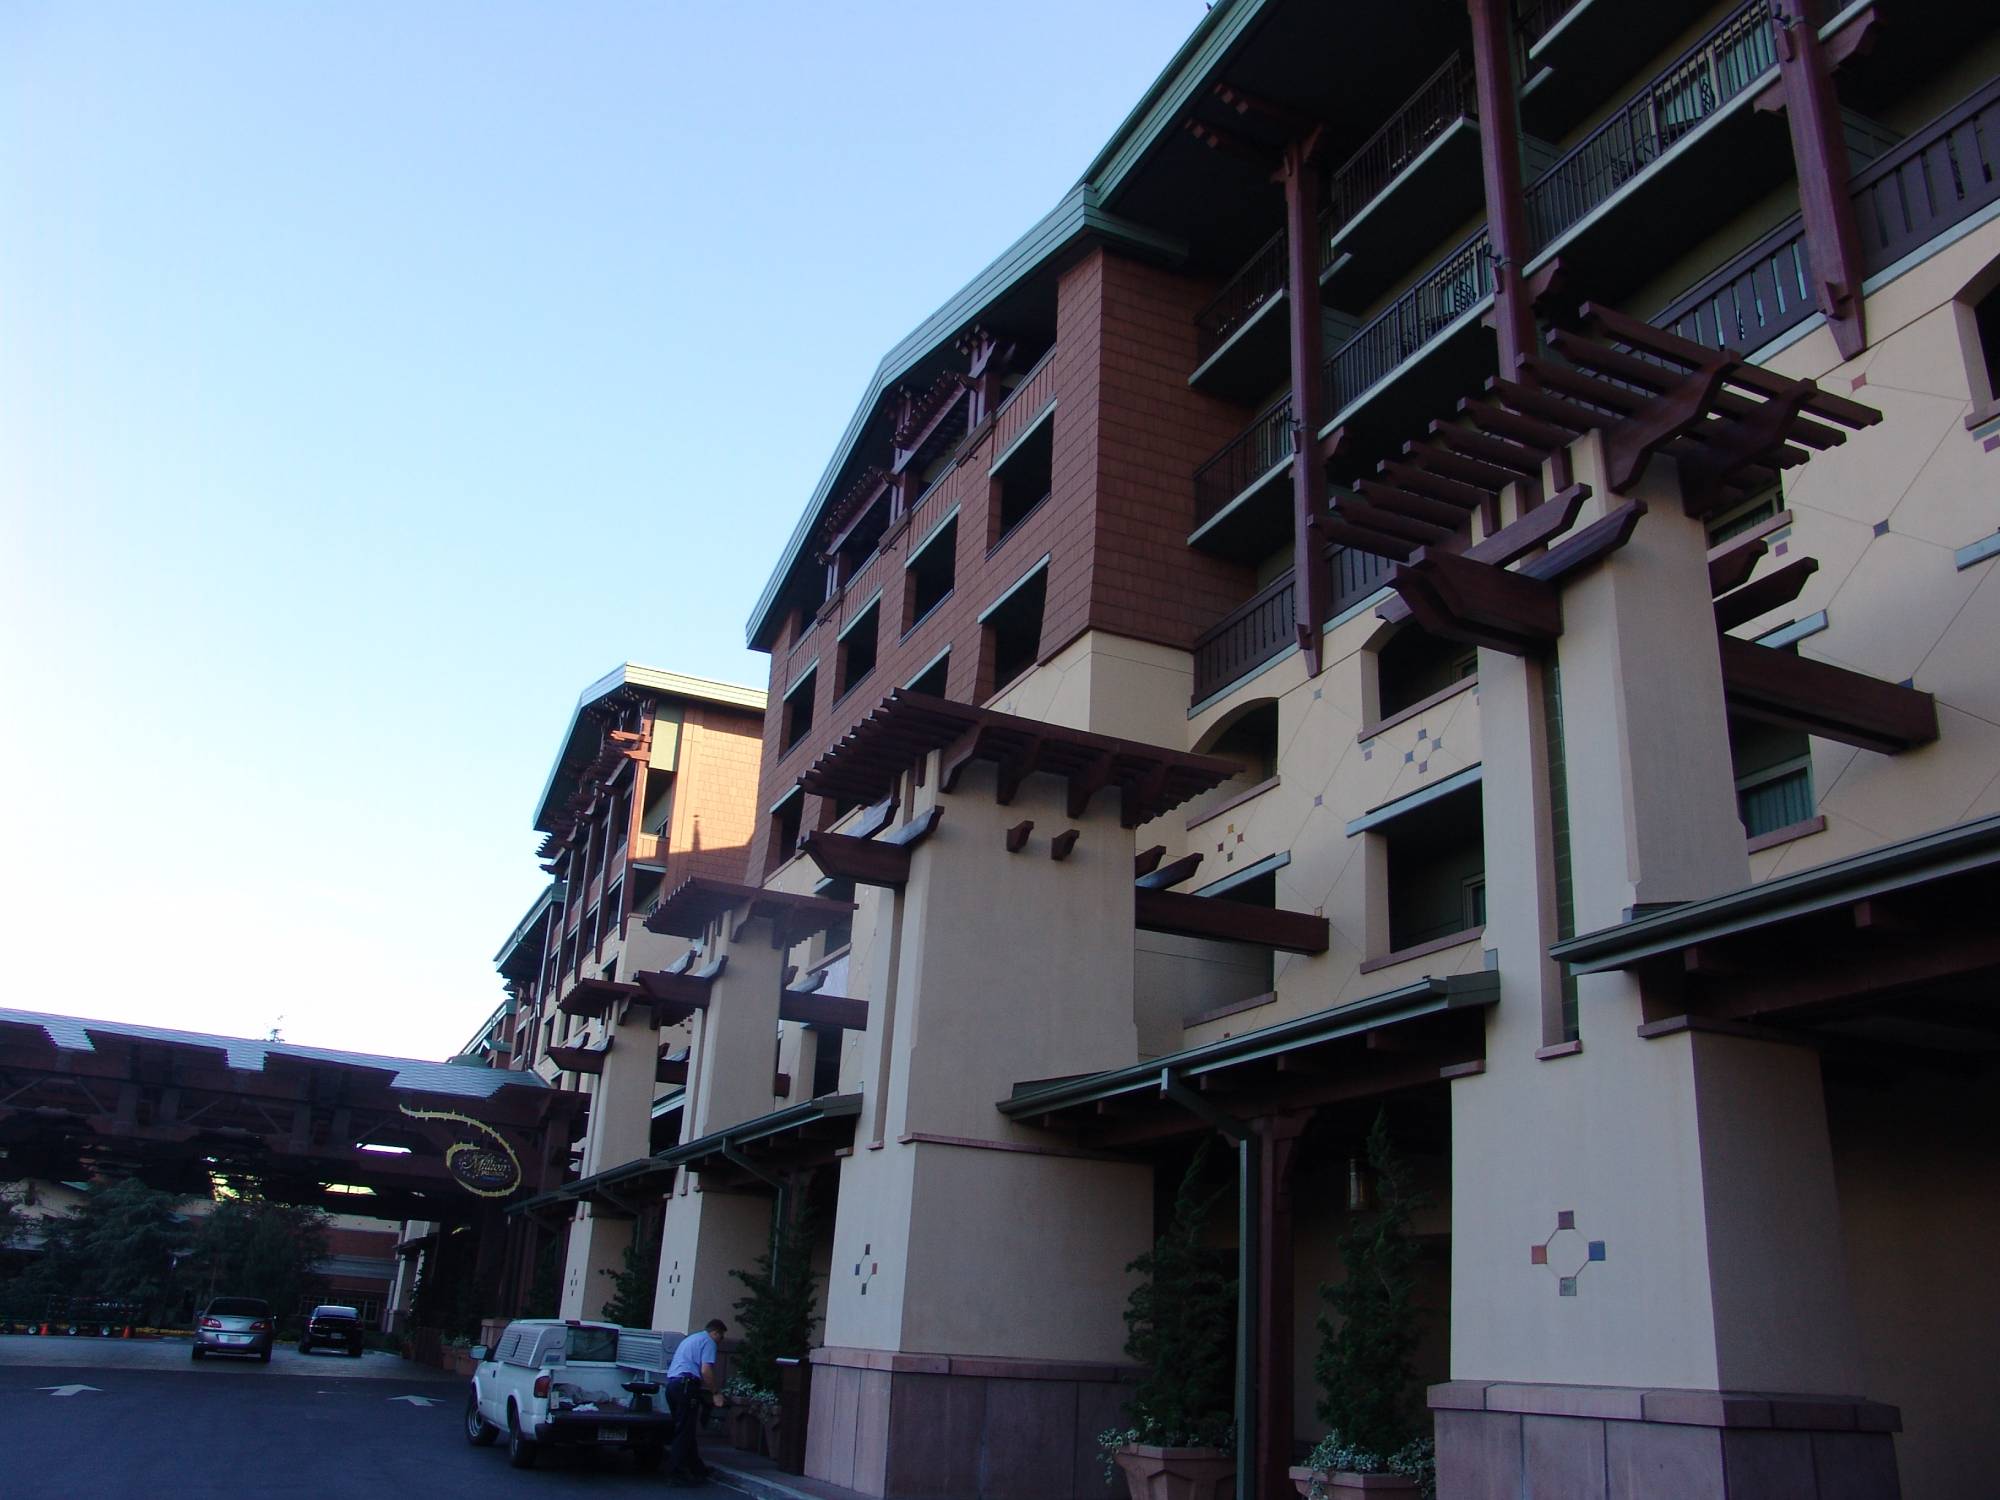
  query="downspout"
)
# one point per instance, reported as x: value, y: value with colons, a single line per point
x: 1249, y: 1256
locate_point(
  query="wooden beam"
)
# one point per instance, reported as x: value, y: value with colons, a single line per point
x: 1480, y: 604
x: 873, y: 862
x: 1731, y: 563
x: 1780, y: 687
x: 1171, y: 875
x: 1546, y: 521
x: 1227, y: 921
x: 814, y: 1009
x: 1148, y: 860
x: 1408, y: 503
x: 1765, y: 594
x: 1457, y: 492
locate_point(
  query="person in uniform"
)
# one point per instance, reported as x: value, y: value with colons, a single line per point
x: 691, y: 1380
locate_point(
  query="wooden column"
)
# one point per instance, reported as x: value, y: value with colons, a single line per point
x: 1278, y: 1138
x: 1819, y: 150
x: 1500, y: 165
x: 1299, y: 176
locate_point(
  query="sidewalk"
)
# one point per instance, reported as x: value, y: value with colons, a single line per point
x: 759, y: 1477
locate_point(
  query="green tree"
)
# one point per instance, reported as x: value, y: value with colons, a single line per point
x: 128, y: 1240
x: 777, y: 1316
x: 1366, y: 1375
x: 630, y: 1304
x: 250, y: 1246
x: 1181, y: 1325
x: 545, y: 1292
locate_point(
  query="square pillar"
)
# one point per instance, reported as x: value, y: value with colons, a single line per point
x: 1643, y: 1229
x: 978, y: 1274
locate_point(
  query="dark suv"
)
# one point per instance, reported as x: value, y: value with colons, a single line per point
x: 332, y: 1327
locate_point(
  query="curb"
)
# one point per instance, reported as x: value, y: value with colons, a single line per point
x: 757, y: 1486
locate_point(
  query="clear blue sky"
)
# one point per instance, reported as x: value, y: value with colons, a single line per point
x: 373, y: 377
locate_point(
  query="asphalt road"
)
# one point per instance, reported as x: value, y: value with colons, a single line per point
x: 155, y: 1423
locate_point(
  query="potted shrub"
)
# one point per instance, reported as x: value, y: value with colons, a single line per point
x: 1368, y: 1334
x: 1180, y: 1323
x: 777, y: 1317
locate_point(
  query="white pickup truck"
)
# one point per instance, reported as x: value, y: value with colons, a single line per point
x: 550, y: 1382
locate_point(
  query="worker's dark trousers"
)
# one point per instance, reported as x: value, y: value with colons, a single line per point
x: 684, y: 1398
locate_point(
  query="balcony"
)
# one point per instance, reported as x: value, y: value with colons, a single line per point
x: 1572, y: 49
x: 1690, y: 137
x: 1266, y: 625
x: 649, y: 850
x: 1404, y: 189
x: 1406, y: 361
x: 1241, y: 337
x: 1942, y: 175
x: 1241, y: 509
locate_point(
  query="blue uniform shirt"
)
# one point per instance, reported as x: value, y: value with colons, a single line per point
x: 696, y: 1350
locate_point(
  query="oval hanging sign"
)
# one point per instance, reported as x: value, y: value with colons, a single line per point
x: 487, y: 1167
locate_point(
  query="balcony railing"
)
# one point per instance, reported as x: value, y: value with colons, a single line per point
x: 1535, y: 19
x: 1940, y: 176
x: 1733, y: 55
x: 1247, y: 457
x: 1943, y: 174
x: 1261, y: 278
x: 1447, y: 95
x: 1452, y: 288
x: 1758, y: 295
x: 1263, y: 626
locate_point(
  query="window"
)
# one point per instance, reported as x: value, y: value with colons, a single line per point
x: 1433, y: 852
x: 1020, y: 479
x: 798, y: 709
x: 858, y: 645
x: 786, y: 823
x: 1010, y: 638
x: 1413, y: 665
x: 929, y: 575
x: 1986, y: 327
x: 1733, y: 523
x: 932, y: 679
x: 1774, y: 787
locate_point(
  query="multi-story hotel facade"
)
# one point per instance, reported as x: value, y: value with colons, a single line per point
x: 1451, y: 577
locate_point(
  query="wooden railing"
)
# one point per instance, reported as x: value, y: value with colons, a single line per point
x: 1025, y: 402
x: 1265, y: 624
x: 1758, y: 295
x: 1939, y: 177
x: 1447, y: 95
x: 1942, y: 175
x: 1260, y: 279
x: 1451, y: 288
x: 1733, y: 55
x: 1535, y: 19
x: 1244, y: 459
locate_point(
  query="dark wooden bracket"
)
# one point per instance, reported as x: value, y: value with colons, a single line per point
x: 1017, y: 836
x: 1062, y: 843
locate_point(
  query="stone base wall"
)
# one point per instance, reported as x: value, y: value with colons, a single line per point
x: 1498, y: 1441
x: 930, y: 1426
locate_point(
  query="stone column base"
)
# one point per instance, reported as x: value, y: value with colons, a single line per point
x: 1514, y: 1441
x: 911, y: 1425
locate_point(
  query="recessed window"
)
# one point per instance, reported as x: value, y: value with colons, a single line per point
x: 1733, y: 523
x: 1020, y: 480
x: 1414, y: 665
x: 929, y: 576
x: 858, y: 645
x: 1986, y: 322
x: 1773, y: 765
x: 932, y: 679
x: 1437, y: 869
x: 787, y: 820
x: 1011, y: 632
x: 798, y: 709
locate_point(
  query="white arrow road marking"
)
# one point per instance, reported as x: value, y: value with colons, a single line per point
x: 417, y: 1400
x: 66, y: 1390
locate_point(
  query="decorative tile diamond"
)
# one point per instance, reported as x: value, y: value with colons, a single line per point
x: 1566, y: 1252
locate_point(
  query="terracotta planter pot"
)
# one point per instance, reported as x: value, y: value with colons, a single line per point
x: 1177, y: 1473
x: 1340, y: 1485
